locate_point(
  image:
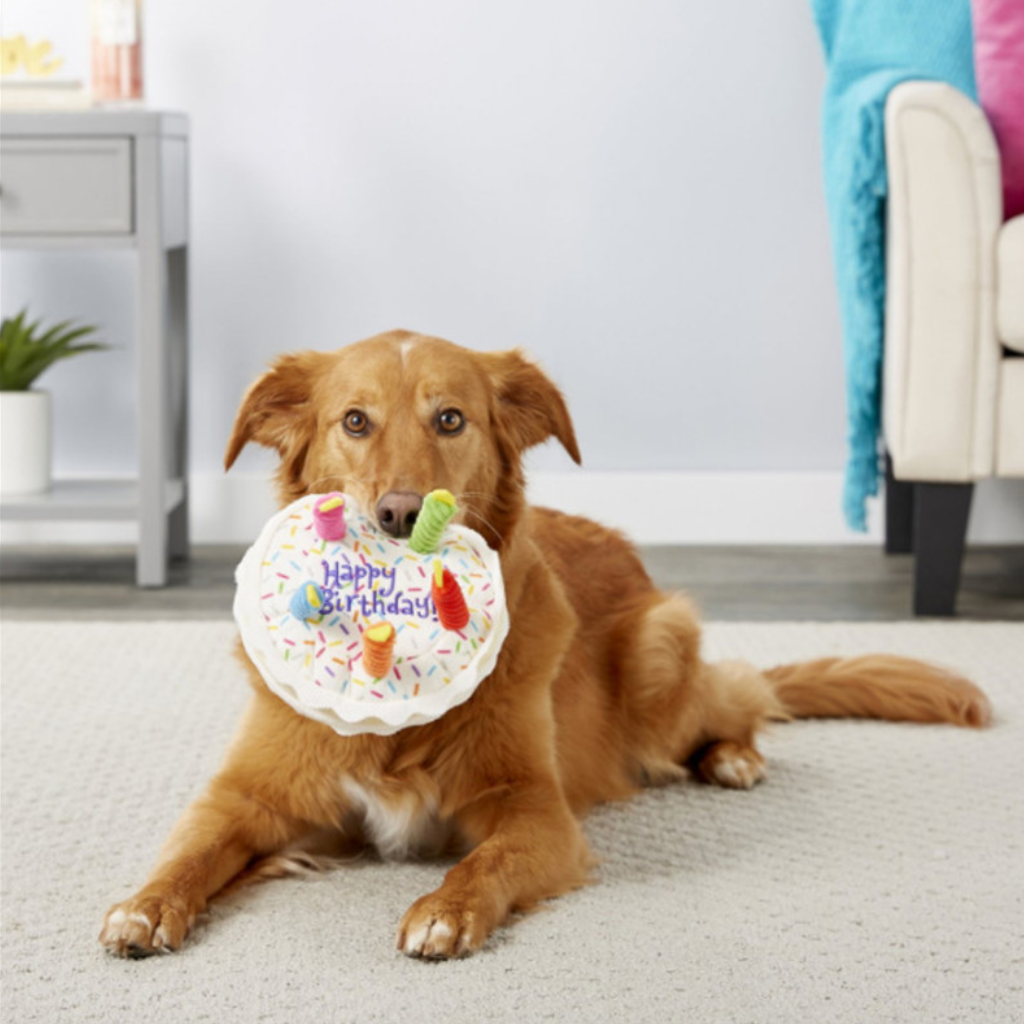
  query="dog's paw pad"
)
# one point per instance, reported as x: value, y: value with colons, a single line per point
x: 733, y: 766
x: 436, y: 929
x: 140, y: 927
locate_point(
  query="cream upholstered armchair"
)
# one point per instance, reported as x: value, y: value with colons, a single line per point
x: 953, y: 379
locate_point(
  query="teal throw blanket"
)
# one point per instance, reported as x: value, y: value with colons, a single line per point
x: 871, y: 46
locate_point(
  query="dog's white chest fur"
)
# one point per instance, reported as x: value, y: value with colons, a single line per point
x: 398, y: 826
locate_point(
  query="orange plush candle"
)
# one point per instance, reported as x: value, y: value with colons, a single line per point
x: 378, y: 649
x: 451, y: 605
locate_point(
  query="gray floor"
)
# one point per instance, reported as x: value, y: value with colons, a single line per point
x: 850, y: 583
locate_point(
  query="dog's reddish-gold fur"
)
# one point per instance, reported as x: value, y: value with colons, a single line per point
x: 600, y: 686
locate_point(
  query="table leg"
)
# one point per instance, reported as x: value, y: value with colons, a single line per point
x: 179, y: 313
x: 152, y: 287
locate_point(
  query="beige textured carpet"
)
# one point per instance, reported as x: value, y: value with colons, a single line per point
x: 877, y: 876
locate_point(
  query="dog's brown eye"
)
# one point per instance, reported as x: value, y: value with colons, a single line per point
x: 450, y: 421
x: 356, y: 423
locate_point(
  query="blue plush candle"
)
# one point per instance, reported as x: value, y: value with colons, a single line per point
x: 307, y: 601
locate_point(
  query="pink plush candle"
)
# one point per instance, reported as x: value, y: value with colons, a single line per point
x: 329, y: 517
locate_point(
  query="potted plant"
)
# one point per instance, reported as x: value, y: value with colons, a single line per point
x: 25, y: 352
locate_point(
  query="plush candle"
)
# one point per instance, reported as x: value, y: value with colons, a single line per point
x: 307, y: 601
x: 329, y: 517
x: 438, y: 509
x: 452, y: 612
x: 378, y: 649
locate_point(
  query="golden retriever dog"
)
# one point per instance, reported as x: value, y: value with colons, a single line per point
x: 590, y: 698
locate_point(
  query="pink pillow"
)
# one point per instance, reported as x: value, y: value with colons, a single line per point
x: 999, y: 69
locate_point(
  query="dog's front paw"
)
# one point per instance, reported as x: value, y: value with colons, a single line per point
x: 144, y: 925
x: 732, y: 765
x: 439, y: 928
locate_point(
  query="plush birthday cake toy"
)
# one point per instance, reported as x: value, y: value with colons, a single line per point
x: 363, y: 632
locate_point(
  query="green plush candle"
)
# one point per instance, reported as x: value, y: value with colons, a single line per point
x: 438, y: 509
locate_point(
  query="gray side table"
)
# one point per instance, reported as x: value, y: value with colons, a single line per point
x: 101, y: 180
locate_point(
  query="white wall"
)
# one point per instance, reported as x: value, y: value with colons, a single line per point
x: 629, y: 189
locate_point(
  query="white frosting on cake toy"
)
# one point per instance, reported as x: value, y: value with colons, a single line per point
x: 312, y: 612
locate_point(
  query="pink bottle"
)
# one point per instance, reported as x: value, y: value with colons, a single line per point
x: 116, y: 50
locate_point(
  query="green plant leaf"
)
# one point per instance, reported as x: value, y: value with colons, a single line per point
x: 56, y: 330
x: 24, y: 356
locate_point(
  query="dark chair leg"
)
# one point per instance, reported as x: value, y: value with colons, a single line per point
x: 940, y: 528
x: 899, y: 513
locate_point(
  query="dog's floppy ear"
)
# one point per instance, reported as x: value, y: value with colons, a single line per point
x: 529, y: 407
x: 277, y: 411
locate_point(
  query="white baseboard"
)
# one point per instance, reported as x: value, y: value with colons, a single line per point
x: 652, y: 508
x: 706, y: 508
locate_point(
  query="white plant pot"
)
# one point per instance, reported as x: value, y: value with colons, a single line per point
x: 24, y: 442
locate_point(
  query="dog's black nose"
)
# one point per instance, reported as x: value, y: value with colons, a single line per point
x: 397, y: 511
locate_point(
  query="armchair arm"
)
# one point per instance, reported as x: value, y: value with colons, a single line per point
x: 943, y: 217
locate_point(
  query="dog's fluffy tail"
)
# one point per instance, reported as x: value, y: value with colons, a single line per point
x: 878, y: 686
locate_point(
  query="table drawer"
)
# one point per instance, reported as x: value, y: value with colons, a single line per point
x: 65, y: 186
